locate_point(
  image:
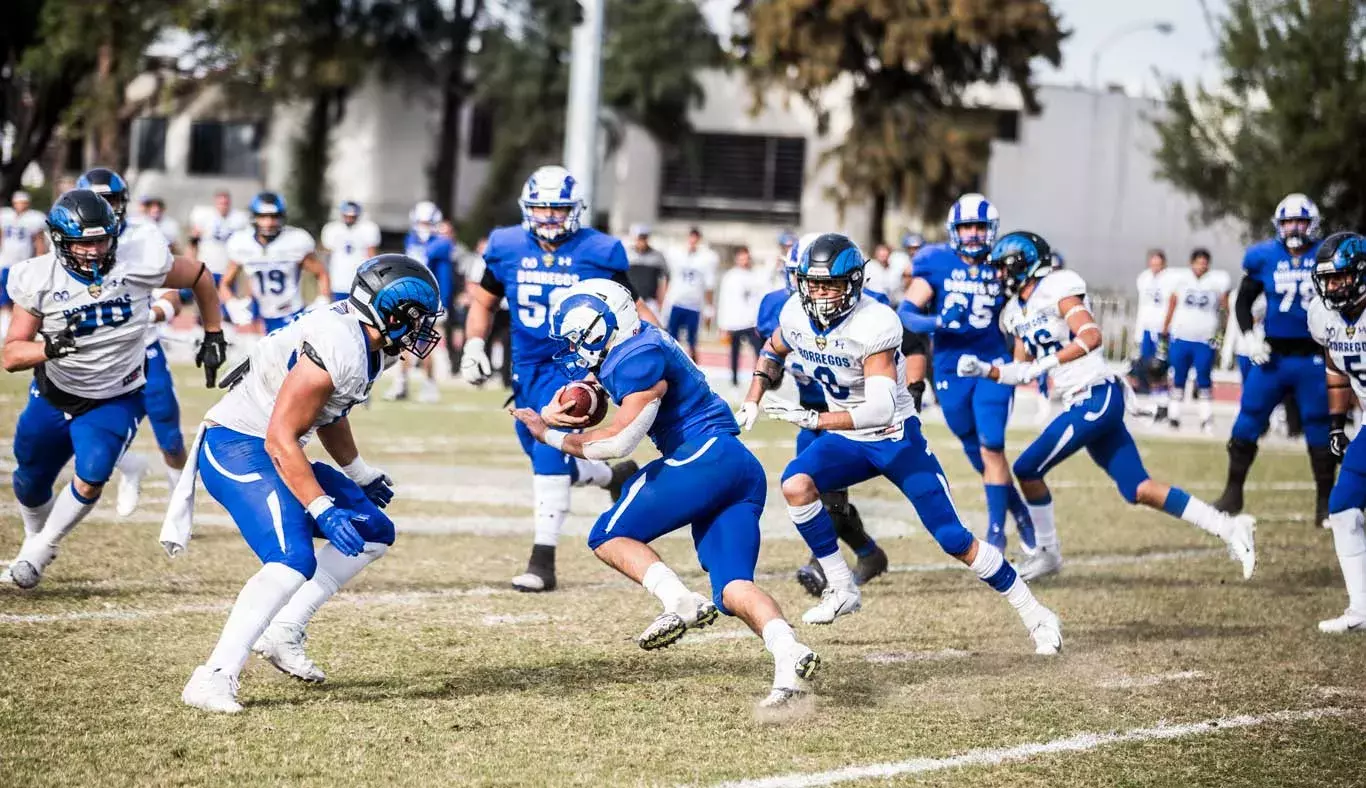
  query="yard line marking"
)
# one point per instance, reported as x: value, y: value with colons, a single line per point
x: 494, y: 620
x: 894, y: 657
x: 1081, y: 742
x: 710, y: 637
x: 1133, y: 682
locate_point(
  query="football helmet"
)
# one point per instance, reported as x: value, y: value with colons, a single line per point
x: 350, y: 211
x: 830, y: 261
x: 268, y: 204
x: 399, y: 296
x: 82, y: 217
x: 1293, y: 207
x: 1339, y: 271
x: 551, y: 187
x: 590, y: 319
x: 112, y: 187
x: 972, y: 209
x: 1021, y: 256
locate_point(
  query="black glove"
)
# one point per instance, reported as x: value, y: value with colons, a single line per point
x: 1337, y: 438
x: 917, y: 390
x: 62, y: 343
x: 213, y: 351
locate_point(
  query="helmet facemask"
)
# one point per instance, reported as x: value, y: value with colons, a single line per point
x: 586, y: 332
x: 413, y: 328
x: 828, y: 298
x: 83, y: 256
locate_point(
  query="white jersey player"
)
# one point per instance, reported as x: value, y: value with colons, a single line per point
x: 349, y: 242
x: 1154, y: 291
x: 80, y: 326
x: 851, y: 345
x: 1050, y: 317
x: 21, y: 237
x: 273, y: 255
x: 210, y: 229
x: 299, y: 381
x: 691, y: 289
x: 1198, y: 297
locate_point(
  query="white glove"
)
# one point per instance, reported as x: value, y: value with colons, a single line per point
x: 1258, y: 351
x: 780, y: 409
x: 320, y: 302
x: 474, y: 362
x: 747, y: 414
x: 972, y: 367
x: 239, y: 311
x: 1015, y: 373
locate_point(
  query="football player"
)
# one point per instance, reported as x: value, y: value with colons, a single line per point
x: 272, y: 254
x: 1050, y: 317
x: 1286, y: 359
x: 300, y: 381
x: 21, y: 237
x: 964, y: 300
x: 1198, y: 297
x: 1337, y: 320
x: 852, y: 345
x: 210, y: 229
x: 348, y: 243
x: 81, y: 327
x: 872, y: 560
x: 428, y: 246
x: 660, y: 392
x: 1149, y: 370
x: 533, y: 265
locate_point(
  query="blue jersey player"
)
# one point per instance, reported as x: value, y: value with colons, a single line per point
x: 425, y: 245
x: 872, y: 560
x: 706, y: 478
x: 533, y: 265
x: 958, y: 298
x: 1287, y: 360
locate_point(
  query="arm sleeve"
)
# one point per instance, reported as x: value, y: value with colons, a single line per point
x: 914, y: 320
x: 626, y: 441
x: 622, y: 279
x: 879, y: 403
x: 491, y: 282
x: 1248, y: 291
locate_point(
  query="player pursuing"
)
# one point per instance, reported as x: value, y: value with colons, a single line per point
x: 1149, y: 371
x: 872, y: 560
x: 964, y: 298
x: 21, y: 237
x: 533, y: 265
x: 272, y: 254
x: 1198, y: 297
x: 428, y: 246
x: 80, y: 326
x: 348, y: 243
x: 1336, y: 321
x: 300, y: 381
x: 1287, y: 360
x: 852, y: 344
x: 1050, y: 317
x: 659, y: 391
x: 210, y: 229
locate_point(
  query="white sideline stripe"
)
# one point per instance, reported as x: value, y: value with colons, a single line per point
x: 894, y: 657
x: 1095, y: 560
x: 1081, y: 742
x: 711, y: 637
x: 493, y: 620
x: 1132, y: 682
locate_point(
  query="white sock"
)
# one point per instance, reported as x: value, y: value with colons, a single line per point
x: 35, y: 516
x: 1022, y: 599
x: 1206, y: 405
x: 259, y: 600
x: 592, y: 473
x: 551, y: 504
x: 779, y: 637
x: 837, y: 574
x: 67, y: 511
x: 131, y: 464
x: 1045, y: 527
x: 1174, y: 406
x: 661, y: 581
x: 334, y: 571
x: 1206, y: 517
x: 1349, y: 542
x: 173, y: 476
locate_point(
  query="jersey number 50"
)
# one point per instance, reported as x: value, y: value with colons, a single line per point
x: 531, y: 307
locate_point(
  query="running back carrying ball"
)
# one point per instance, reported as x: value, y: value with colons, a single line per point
x: 588, y: 399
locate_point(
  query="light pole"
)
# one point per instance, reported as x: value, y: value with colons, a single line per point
x: 581, y: 115
x: 1161, y: 26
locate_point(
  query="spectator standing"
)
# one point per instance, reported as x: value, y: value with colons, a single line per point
x: 692, y: 288
x: 737, y: 307
x: 649, y: 271
x: 210, y: 229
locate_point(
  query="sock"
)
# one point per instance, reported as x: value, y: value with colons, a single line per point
x: 1180, y: 503
x: 779, y: 637
x: 334, y: 571
x: 35, y: 516
x: 837, y: 574
x: 131, y: 464
x: 173, y: 476
x: 259, y: 600
x: 998, y: 498
x: 996, y: 571
x: 1045, y: 527
x: 591, y: 473
x: 1349, y: 542
x: 1206, y: 406
x: 1018, y: 508
x: 551, y: 505
x: 814, y: 523
x: 68, y: 509
x: 661, y: 581
x: 1174, y: 406
x: 1241, y: 453
x: 1324, y: 467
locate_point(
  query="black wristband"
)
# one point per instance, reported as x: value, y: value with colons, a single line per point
x: 1337, y: 421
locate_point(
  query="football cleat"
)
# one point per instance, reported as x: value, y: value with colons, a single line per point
x: 697, y: 611
x: 790, y: 672
x: 211, y: 690
x: 282, y: 645
x: 1207, y: 427
x: 1045, y: 561
x: 870, y: 566
x: 663, y: 632
x: 429, y: 394
x: 27, y: 569
x: 812, y: 577
x: 534, y: 581
x: 621, y: 473
x: 1047, y: 634
x: 131, y: 470
x: 1241, y: 543
x: 1349, y: 621
x: 835, y: 602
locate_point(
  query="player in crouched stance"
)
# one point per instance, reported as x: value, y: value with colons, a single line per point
x: 304, y: 378
x: 852, y: 345
x: 1055, y: 333
x: 1337, y: 320
x: 706, y: 478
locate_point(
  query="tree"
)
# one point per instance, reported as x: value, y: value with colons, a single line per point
x: 1289, y: 116
x: 452, y: 30
x: 905, y: 67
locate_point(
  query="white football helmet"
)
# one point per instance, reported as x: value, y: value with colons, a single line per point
x: 551, y: 186
x: 1296, y: 206
x: 794, y: 258
x: 589, y: 319
x: 973, y: 208
x: 424, y: 217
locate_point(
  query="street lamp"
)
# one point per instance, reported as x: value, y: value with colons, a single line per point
x: 1162, y: 26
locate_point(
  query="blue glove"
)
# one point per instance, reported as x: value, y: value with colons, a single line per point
x: 337, y: 525
x: 955, y: 316
x: 379, y: 492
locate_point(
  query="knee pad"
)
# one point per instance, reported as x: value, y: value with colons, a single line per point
x: 1349, y: 538
x: 953, y: 537
x: 1025, y: 471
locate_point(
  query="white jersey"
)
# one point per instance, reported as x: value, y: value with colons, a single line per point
x: 110, y: 320
x: 1153, y: 290
x: 835, y: 359
x: 1345, y: 342
x: 17, y: 232
x: 166, y: 227
x: 213, y: 230
x: 691, y: 276
x: 1044, y: 331
x: 334, y: 339
x: 1196, y: 318
x: 146, y: 233
x: 273, y: 269
x: 348, y: 246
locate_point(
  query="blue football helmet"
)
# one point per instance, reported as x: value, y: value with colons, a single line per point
x: 267, y: 204
x: 112, y: 187
x: 912, y: 241
x: 81, y: 217
x: 830, y: 260
x: 786, y: 239
x: 551, y: 187
x: 349, y: 210
x: 588, y: 320
x: 1296, y: 206
x: 399, y: 296
x: 1339, y: 271
x: 1021, y: 256
x: 972, y: 209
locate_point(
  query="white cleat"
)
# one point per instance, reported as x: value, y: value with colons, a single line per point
x: 1241, y: 544
x: 790, y: 676
x: 697, y: 611
x: 211, y: 690
x: 835, y: 602
x: 1350, y: 621
x: 283, y: 646
x: 131, y: 470
x: 397, y: 391
x: 1047, y: 634
x: 430, y: 394
x: 27, y: 569
x: 663, y: 632
x: 1044, y: 562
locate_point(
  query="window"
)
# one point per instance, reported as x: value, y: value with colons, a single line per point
x: 480, y: 144
x: 149, y: 143
x: 735, y: 176
x: 218, y: 148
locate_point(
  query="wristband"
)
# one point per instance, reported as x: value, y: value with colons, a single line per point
x: 319, y: 506
x: 555, y: 439
x: 167, y: 310
x: 1338, y: 421
x: 359, y: 469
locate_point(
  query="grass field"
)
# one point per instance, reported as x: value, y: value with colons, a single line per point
x: 440, y: 674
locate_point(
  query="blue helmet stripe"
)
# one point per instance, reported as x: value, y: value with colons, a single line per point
x: 567, y: 190
x: 982, y: 210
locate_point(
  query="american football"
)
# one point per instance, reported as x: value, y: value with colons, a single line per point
x: 588, y: 399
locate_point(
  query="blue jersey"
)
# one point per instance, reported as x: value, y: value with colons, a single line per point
x: 533, y: 278
x: 809, y: 392
x: 1288, y: 286
x: 970, y: 291
x: 689, y: 410
x: 435, y: 251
